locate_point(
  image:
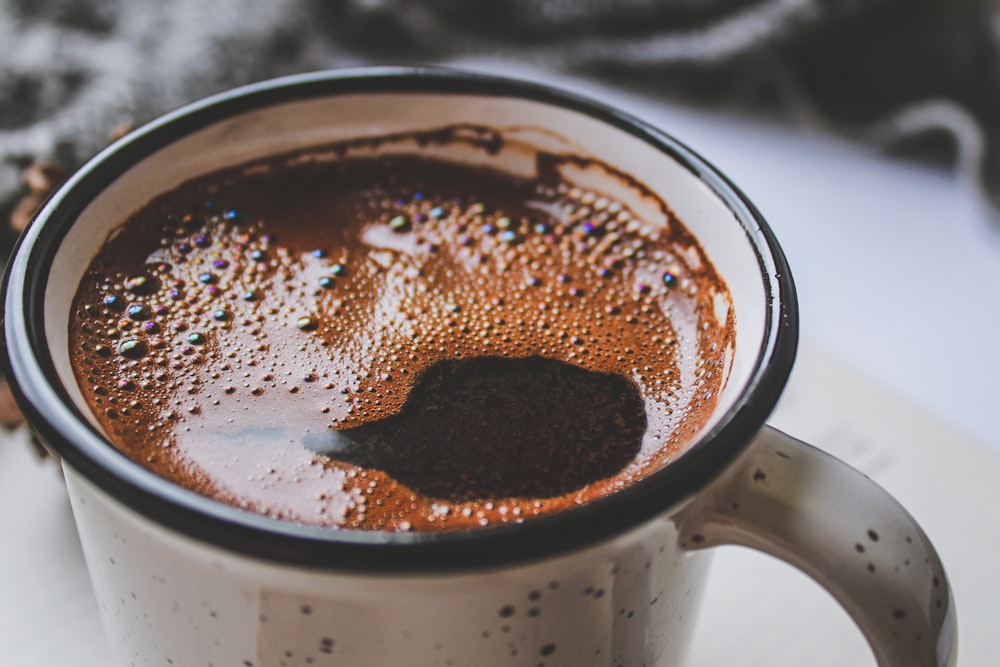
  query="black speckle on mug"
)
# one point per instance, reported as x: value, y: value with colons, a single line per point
x: 305, y: 609
x: 872, y: 535
x: 599, y: 593
x: 898, y: 614
x: 653, y: 601
x: 548, y: 649
x: 326, y: 645
x: 506, y: 611
x: 534, y: 612
x: 935, y: 582
x: 698, y: 538
x: 860, y: 548
x: 553, y: 585
x: 534, y: 596
x: 759, y: 475
x: 735, y: 506
x: 485, y: 634
x: 871, y: 567
x: 589, y: 590
x: 783, y: 455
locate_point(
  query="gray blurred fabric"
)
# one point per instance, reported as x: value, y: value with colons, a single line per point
x: 919, y: 76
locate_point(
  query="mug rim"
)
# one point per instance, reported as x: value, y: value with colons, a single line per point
x: 31, y: 372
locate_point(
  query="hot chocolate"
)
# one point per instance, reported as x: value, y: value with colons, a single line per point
x: 398, y: 343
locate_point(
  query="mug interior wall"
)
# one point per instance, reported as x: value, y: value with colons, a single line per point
x: 527, y: 126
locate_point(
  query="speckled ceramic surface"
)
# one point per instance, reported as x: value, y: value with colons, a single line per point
x: 183, y: 580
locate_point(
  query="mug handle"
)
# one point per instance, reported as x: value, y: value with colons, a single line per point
x: 815, y: 512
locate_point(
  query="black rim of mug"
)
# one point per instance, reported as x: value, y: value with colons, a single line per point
x: 52, y: 415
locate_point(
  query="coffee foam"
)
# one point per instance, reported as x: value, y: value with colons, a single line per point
x: 232, y: 321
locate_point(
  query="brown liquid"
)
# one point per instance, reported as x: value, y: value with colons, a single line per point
x: 397, y: 344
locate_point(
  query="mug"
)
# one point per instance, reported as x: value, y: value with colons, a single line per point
x: 183, y: 580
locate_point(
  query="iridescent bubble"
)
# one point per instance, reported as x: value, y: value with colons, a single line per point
x: 197, y: 338
x: 139, y: 311
x: 142, y: 285
x: 132, y: 348
x: 114, y: 302
x: 306, y: 323
x: 400, y: 223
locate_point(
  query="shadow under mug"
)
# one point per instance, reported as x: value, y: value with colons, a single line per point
x: 183, y: 580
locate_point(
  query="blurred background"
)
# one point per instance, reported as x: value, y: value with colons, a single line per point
x: 866, y: 131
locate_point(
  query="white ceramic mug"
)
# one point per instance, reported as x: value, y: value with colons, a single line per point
x: 183, y: 580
